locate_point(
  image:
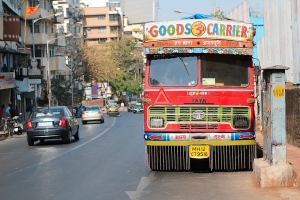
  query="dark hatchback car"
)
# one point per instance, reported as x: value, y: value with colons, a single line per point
x: 131, y: 108
x: 54, y: 122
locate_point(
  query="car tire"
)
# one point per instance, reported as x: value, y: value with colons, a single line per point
x: 102, y: 121
x: 76, y: 136
x: 42, y: 141
x: 84, y: 122
x: 68, y: 139
x: 30, y: 142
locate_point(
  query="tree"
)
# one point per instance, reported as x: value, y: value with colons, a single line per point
x: 61, y: 88
x: 114, y: 62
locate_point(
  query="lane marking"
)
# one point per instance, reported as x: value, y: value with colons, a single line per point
x: 145, y: 181
x: 61, y: 154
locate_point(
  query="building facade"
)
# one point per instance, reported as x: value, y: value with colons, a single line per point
x: 140, y: 11
x: 102, y: 24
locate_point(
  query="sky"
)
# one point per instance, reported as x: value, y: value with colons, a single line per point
x: 167, y: 7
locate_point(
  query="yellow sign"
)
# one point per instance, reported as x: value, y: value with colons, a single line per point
x: 201, y: 151
x: 278, y: 91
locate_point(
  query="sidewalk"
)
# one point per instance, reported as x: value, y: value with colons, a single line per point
x: 293, y: 157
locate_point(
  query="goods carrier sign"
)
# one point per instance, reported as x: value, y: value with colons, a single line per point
x: 199, y: 28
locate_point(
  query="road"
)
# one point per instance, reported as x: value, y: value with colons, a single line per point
x: 108, y: 163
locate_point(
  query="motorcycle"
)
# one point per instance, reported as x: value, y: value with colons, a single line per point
x: 17, y: 125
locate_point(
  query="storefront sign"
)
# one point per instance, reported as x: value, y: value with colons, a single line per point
x: 199, y: 28
x: 7, y: 80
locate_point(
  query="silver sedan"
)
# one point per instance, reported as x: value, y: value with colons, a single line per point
x: 92, y: 113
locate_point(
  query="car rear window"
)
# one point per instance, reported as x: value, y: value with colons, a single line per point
x: 92, y: 108
x: 48, y: 112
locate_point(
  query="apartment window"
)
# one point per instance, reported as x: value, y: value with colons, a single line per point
x: 102, y: 40
x: 47, y: 28
x: 33, y: 2
x: 88, y: 30
x: 61, y: 77
x: 102, y: 29
x: 101, y: 17
x: 52, y: 51
x: 114, y: 29
x: 113, y: 17
x: 36, y: 28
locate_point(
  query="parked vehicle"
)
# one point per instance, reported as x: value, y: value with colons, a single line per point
x: 92, y: 113
x: 17, y: 125
x: 54, y: 122
x: 8, y: 127
x: 113, y: 110
x: 138, y: 109
x: 131, y: 107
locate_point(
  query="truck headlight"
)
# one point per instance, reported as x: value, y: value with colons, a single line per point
x: 156, y: 122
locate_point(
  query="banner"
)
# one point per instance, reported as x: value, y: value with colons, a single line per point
x: 99, y: 90
x: 11, y: 28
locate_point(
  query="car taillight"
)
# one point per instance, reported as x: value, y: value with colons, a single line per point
x: 99, y: 112
x: 28, y: 124
x: 82, y: 113
x: 62, y: 122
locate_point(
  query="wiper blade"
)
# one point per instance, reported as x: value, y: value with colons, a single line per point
x: 187, y: 71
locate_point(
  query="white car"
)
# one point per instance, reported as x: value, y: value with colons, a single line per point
x: 92, y: 113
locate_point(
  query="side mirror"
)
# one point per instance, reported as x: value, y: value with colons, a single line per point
x: 257, y: 70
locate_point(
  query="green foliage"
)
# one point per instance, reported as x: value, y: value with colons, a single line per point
x: 218, y: 14
x: 61, y: 89
x: 115, y: 62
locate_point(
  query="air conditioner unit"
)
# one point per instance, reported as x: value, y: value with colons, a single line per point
x: 84, y: 33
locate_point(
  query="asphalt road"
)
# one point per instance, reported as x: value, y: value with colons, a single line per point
x: 108, y: 163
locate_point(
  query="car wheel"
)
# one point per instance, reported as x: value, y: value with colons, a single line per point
x: 30, y: 142
x: 84, y: 122
x: 102, y: 121
x: 76, y: 136
x: 68, y: 140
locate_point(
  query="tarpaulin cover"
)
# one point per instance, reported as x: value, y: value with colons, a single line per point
x: 197, y: 16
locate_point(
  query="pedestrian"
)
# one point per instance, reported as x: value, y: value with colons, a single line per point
x: 122, y: 105
x: 2, y: 108
x: 12, y: 111
x: 7, y: 111
x: 17, y: 111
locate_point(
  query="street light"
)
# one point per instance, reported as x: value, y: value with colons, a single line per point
x: 179, y: 11
x: 48, y: 65
x: 33, y: 47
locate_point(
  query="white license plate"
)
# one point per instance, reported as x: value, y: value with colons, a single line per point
x: 45, y: 123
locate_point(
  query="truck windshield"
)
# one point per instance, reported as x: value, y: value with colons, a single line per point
x: 224, y: 70
x: 170, y: 70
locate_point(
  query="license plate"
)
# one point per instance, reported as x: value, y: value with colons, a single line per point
x: 45, y: 123
x: 200, y: 151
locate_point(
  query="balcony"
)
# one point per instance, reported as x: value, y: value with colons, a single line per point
x: 57, y: 63
x: 39, y: 38
x: 41, y: 13
x: 60, y: 18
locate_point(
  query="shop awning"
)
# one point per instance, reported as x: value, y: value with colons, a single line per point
x: 16, y: 91
x: 12, y: 51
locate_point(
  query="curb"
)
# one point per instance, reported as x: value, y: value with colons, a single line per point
x: 295, y: 177
x: 295, y: 181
